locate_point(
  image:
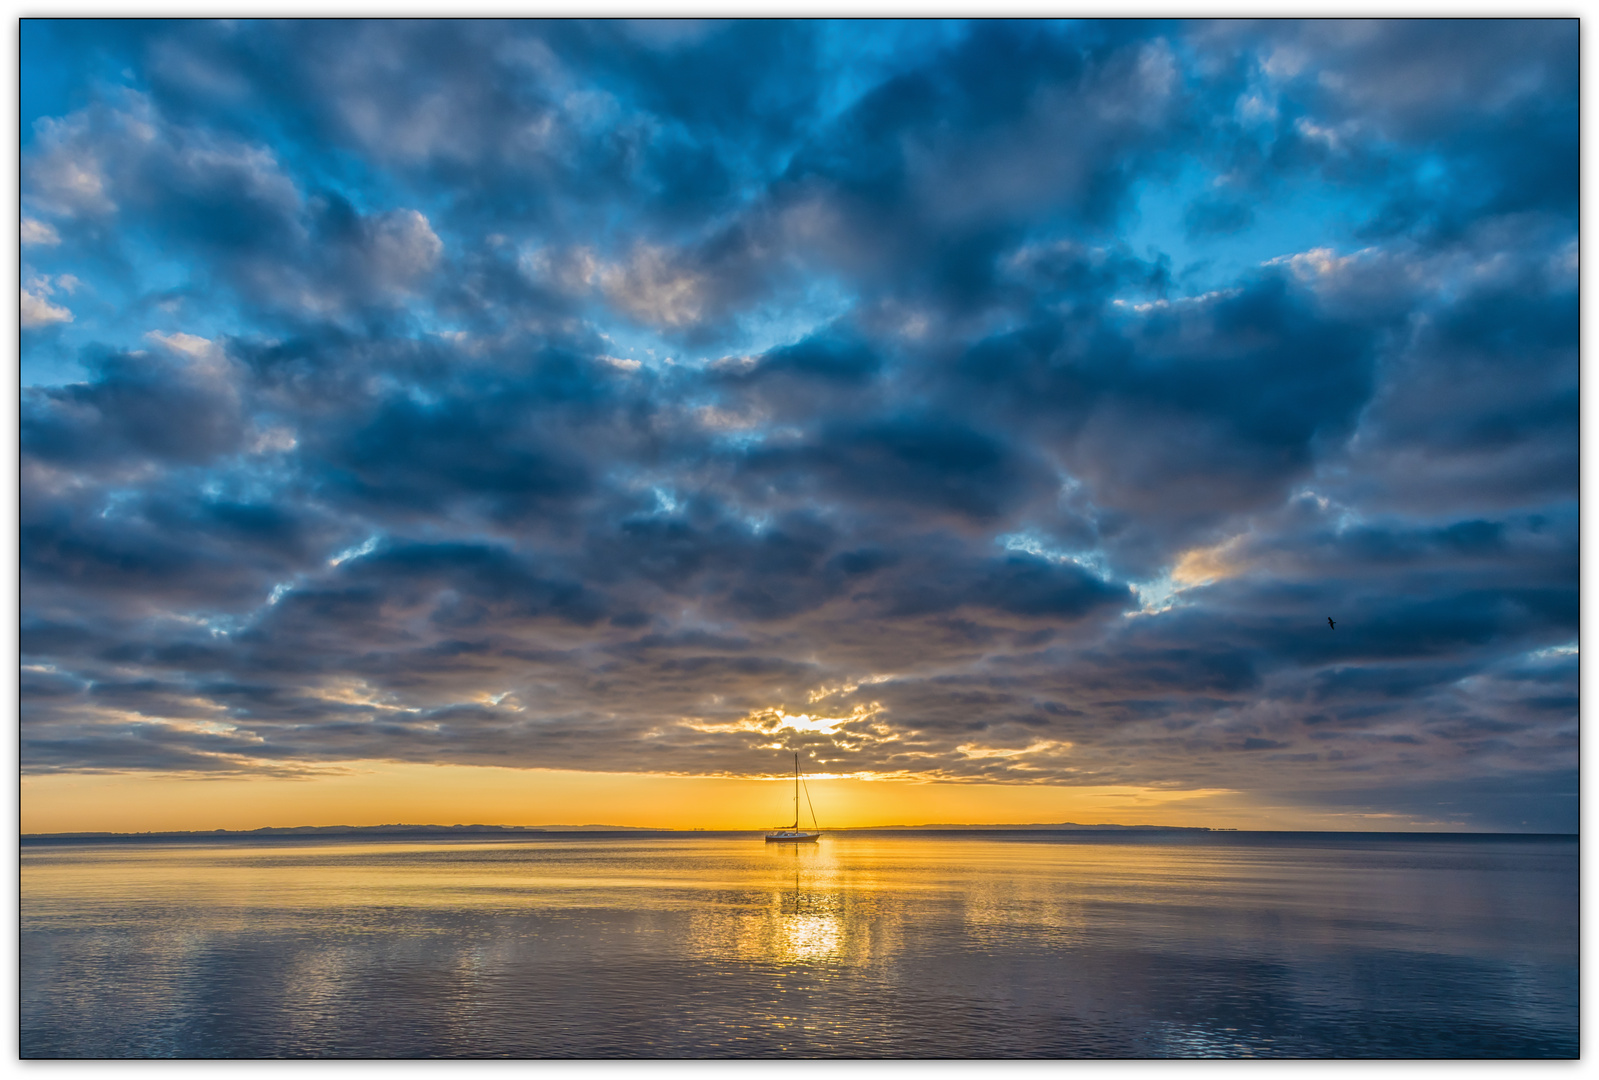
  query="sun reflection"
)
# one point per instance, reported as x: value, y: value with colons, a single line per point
x: 800, y: 919
x: 807, y: 938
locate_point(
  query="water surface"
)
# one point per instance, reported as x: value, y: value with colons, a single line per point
x: 864, y: 945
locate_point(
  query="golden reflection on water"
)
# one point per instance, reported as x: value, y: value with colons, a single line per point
x: 844, y: 900
x: 798, y: 922
x: 859, y: 945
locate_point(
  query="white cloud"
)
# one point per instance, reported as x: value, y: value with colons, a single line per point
x: 39, y: 233
x: 273, y: 440
x: 37, y: 311
x: 405, y: 246
x: 191, y: 345
x: 65, y: 174
x: 649, y: 285
x: 653, y: 289
x: 1318, y: 263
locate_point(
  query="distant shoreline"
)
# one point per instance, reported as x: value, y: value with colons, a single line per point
x: 400, y: 831
x: 519, y: 830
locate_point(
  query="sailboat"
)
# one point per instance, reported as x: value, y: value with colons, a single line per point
x: 794, y: 835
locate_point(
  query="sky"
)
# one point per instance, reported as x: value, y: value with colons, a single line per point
x: 536, y: 422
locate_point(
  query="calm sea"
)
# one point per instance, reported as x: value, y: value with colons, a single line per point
x: 865, y: 945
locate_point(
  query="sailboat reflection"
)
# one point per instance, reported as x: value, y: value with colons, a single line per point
x: 810, y: 924
x: 798, y: 916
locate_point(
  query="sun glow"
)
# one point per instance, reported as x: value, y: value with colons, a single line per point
x: 378, y: 793
x: 774, y: 720
x: 1201, y: 566
x: 821, y: 693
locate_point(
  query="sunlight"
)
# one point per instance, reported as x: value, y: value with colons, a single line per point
x: 771, y: 721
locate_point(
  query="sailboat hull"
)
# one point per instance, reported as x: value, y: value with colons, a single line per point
x: 786, y: 837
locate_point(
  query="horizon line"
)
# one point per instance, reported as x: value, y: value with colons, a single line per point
x: 1064, y: 826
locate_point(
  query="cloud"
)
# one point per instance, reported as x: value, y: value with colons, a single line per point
x: 1004, y: 402
x: 38, y: 311
x: 42, y: 233
x: 129, y: 408
x: 229, y: 202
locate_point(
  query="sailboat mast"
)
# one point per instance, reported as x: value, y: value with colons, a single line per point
x: 796, y: 793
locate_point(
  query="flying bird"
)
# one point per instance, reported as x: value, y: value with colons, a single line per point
x: 1331, y: 623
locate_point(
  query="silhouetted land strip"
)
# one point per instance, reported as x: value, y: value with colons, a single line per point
x: 313, y: 832
x: 298, y: 832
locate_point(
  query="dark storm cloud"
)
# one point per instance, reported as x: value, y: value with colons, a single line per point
x: 930, y: 462
x: 127, y: 411
x: 537, y: 393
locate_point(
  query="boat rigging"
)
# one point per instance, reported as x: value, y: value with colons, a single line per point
x: 794, y: 834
